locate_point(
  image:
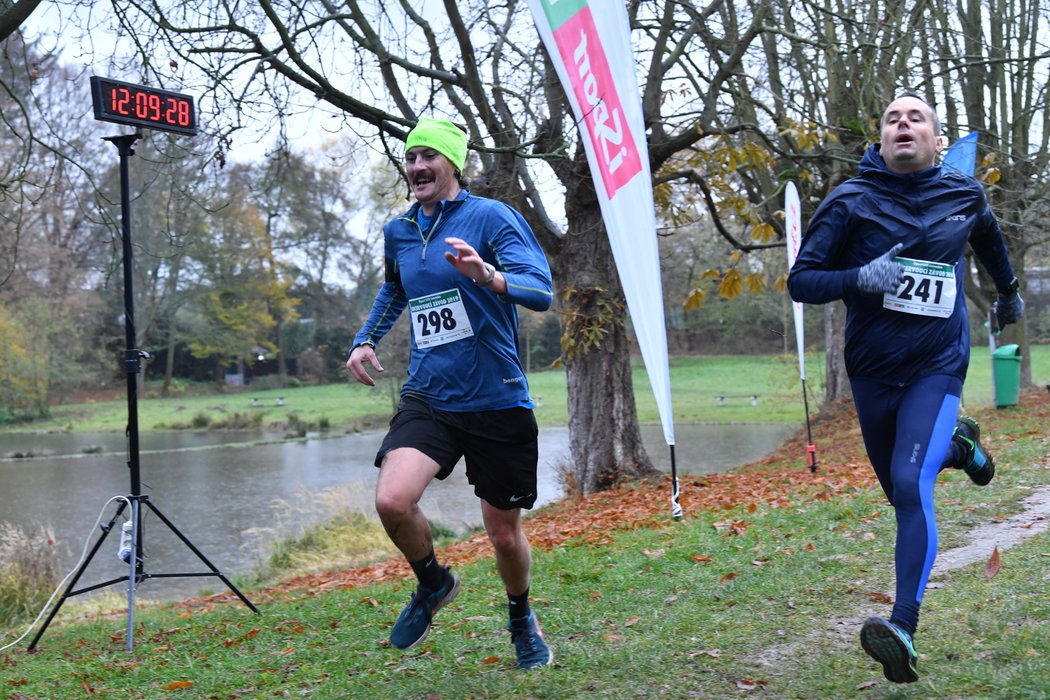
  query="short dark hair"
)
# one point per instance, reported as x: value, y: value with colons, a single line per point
x: 920, y: 98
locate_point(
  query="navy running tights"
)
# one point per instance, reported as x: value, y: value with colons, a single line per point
x: 907, y: 431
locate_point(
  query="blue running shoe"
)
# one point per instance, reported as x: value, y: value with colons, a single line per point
x: 413, y: 624
x: 977, y: 463
x: 892, y: 647
x: 529, y: 643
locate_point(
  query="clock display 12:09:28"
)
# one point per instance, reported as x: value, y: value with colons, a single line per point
x: 149, y: 106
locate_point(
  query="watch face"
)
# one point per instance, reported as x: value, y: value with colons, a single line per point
x: 138, y: 105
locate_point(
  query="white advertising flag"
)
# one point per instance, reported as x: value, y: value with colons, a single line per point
x: 793, y: 225
x: 793, y: 230
x: 589, y: 44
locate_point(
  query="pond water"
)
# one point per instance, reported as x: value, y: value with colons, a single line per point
x: 227, y: 496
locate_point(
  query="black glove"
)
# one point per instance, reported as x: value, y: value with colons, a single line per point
x: 881, y: 275
x: 1008, y: 308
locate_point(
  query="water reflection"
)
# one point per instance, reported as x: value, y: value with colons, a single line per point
x: 220, y: 494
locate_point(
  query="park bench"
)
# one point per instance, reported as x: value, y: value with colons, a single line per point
x: 722, y: 398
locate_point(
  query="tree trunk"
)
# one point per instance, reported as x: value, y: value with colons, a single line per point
x: 169, y: 361
x: 282, y: 361
x: 172, y: 295
x: 604, y: 438
x: 836, y: 383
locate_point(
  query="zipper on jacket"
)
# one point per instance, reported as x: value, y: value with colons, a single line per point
x: 430, y: 233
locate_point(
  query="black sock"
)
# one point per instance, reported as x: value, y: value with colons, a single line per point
x: 430, y: 574
x: 519, y: 605
x: 955, y: 457
x: 907, y: 628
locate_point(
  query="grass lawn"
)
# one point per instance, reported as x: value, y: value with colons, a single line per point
x: 696, y: 383
x: 758, y: 592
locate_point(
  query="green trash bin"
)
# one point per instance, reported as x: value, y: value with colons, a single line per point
x: 1006, y: 375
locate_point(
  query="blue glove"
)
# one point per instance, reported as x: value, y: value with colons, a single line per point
x: 1008, y: 308
x: 881, y: 275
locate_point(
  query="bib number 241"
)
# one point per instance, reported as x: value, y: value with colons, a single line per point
x: 926, y: 289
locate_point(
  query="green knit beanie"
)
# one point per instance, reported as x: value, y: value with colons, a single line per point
x: 443, y: 136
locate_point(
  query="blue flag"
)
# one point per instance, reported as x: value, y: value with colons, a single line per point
x: 962, y: 155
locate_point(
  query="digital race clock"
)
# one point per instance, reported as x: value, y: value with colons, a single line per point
x: 138, y: 105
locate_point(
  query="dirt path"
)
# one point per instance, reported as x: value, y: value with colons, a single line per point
x: 1003, y: 534
x: 984, y: 539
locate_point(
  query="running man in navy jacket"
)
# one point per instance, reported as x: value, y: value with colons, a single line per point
x: 890, y: 244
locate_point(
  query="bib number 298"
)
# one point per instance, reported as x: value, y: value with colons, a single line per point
x: 433, y: 321
x: 439, y: 318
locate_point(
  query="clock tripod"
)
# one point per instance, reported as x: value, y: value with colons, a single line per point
x: 136, y: 499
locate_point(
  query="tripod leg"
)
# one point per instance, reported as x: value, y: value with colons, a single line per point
x: 76, y: 576
x: 204, y: 559
x: 135, y: 565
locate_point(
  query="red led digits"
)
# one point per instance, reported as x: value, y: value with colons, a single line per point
x: 139, y: 105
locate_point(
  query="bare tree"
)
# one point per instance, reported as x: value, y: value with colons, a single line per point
x: 828, y: 69
x: 990, y: 59
x: 51, y: 257
x: 738, y: 97
x: 14, y: 14
x: 480, y: 64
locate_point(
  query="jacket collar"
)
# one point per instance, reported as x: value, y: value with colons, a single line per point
x: 444, y: 206
x: 873, y: 166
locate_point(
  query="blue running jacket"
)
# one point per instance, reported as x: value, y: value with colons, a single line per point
x: 934, y: 212
x: 476, y: 366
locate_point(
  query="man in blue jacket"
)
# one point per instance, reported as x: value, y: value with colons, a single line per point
x: 459, y: 263
x: 890, y: 244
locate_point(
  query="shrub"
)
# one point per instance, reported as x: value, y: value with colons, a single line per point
x: 296, y: 427
x: 339, y: 536
x: 28, y: 571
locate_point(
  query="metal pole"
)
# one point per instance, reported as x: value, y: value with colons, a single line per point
x: 132, y: 367
x: 132, y: 355
x: 676, y: 507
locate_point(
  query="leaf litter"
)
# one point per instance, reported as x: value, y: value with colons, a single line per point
x: 780, y: 480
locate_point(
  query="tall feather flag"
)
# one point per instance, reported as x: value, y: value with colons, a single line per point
x: 793, y: 224
x: 589, y: 43
x: 962, y: 155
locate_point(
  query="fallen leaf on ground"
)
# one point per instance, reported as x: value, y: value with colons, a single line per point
x: 177, y: 685
x: 991, y: 567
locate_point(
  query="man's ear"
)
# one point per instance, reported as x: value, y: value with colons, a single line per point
x: 940, y: 144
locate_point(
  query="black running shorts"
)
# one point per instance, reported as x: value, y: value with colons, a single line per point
x: 499, y: 447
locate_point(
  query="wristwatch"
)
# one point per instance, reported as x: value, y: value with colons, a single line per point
x: 1012, y: 288
x: 490, y: 275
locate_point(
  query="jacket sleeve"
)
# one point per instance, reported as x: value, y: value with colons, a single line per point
x: 389, y: 303
x: 519, y: 257
x: 819, y: 274
x: 988, y: 245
